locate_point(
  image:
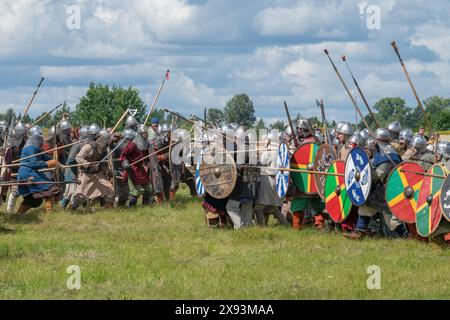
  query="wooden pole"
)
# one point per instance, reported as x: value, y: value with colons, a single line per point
x: 156, y: 97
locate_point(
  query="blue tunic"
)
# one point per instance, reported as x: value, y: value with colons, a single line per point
x: 29, y: 168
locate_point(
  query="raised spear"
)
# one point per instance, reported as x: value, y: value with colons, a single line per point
x: 32, y: 98
x: 166, y: 77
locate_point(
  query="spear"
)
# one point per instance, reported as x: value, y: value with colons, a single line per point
x: 361, y: 94
x: 38, y: 182
x: 48, y: 151
x: 32, y: 98
x: 294, y: 136
x: 45, y: 115
x: 166, y: 76
x: 419, y: 103
x: 299, y: 170
x: 348, y: 91
x: 324, y: 120
x: 119, y: 121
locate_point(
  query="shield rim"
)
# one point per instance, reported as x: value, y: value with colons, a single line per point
x: 352, y: 205
x: 233, y: 182
x: 369, y: 175
x: 293, y: 181
x: 440, y: 202
x: 287, y: 173
x: 321, y: 191
x: 386, y: 191
x: 440, y: 216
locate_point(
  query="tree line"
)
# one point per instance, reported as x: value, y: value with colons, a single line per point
x: 103, y: 104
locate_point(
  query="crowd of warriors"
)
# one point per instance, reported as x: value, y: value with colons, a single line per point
x: 119, y: 169
x: 254, y: 199
x: 90, y: 165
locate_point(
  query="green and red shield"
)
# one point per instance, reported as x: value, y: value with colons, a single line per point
x: 324, y: 158
x: 402, y: 190
x: 428, y: 213
x: 303, y: 159
x: 337, y: 202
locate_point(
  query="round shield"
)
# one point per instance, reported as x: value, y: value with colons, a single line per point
x: 445, y: 198
x: 218, y: 173
x: 282, y: 177
x: 358, y: 176
x: 428, y: 213
x: 324, y: 158
x: 337, y: 202
x: 303, y: 159
x: 402, y: 190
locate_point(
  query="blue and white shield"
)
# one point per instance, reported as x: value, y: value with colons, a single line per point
x: 358, y: 176
x: 282, y: 177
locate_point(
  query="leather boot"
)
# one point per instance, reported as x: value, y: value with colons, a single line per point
x: 160, y: 198
x: 48, y: 205
x: 23, y: 208
x: 297, y: 220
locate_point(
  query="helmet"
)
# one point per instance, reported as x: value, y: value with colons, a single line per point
x: 84, y: 131
x: 441, y: 148
x: 226, y: 128
x: 142, y: 128
x: 180, y: 134
x: 365, y: 134
x: 94, y: 129
x: 51, y: 131
x: 419, y: 142
x: 382, y: 134
x: 3, y: 125
x: 370, y: 143
x: 131, y: 122
x: 164, y: 128
x: 239, y: 133
x: 406, y: 134
x: 288, y: 131
x: 338, y: 126
x: 395, y: 127
x: 345, y: 128
x: 20, y: 129
x: 234, y: 126
x: 65, y: 125
x: 35, y: 130
x: 356, y: 139
x: 129, y: 134
x: 104, y: 133
x: 304, y: 124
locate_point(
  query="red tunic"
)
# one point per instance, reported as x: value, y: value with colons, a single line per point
x: 138, y: 172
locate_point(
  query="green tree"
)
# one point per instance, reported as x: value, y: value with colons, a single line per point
x: 441, y: 121
x: 279, y: 124
x: 105, y: 105
x: 240, y: 110
x: 388, y: 110
x: 260, y: 125
x: 215, y: 116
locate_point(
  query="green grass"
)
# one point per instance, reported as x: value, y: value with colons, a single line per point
x: 168, y: 253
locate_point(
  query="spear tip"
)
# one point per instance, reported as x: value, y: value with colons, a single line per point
x: 343, y: 58
x: 325, y: 50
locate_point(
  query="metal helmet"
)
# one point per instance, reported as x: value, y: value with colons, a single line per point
x: 164, y: 128
x: 365, y: 134
x: 441, y: 148
x: 94, y: 130
x: 180, y: 134
x: 345, y: 128
x: 370, y: 143
x: 51, y: 131
x: 84, y: 131
x: 142, y: 128
x: 239, y: 133
x: 131, y: 122
x: 65, y: 125
x: 382, y: 134
x: 234, y: 126
x: 406, y: 134
x: 104, y: 133
x: 3, y: 125
x: 304, y: 124
x: 226, y: 128
x: 129, y: 134
x: 419, y: 142
x: 357, y: 140
x: 288, y: 131
x: 35, y: 130
x: 20, y: 129
x: 395, y: 127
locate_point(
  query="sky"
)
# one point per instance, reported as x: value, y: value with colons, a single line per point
x: 270, y: 50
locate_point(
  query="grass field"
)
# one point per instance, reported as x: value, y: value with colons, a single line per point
x: 168, y: 253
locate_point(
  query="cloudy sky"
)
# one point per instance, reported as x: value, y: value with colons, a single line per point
x: 271, y: 50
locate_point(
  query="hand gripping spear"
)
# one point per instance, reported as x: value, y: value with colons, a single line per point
x: 419, y: 103
x: 32, y: 98
x: 348, y: 91
x: 361, y: 94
